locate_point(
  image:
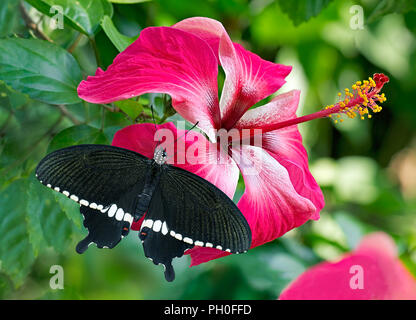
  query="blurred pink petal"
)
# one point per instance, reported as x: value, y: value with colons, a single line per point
x: 163, y: 60
x: 384, y: 277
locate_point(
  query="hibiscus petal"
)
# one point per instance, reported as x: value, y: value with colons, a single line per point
x: 285, y: 145
x: 384, y: 277
x: 280, y: 108
x: 208, y: 29
x: 270, y: 203
x: 249, y: 78
x: 192, y: 152
x: 163, y: 60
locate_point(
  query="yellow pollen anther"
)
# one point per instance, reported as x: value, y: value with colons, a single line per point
x: 363, y: 97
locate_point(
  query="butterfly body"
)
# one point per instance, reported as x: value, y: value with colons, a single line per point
x: 116, y: 187
x: 151, y: 182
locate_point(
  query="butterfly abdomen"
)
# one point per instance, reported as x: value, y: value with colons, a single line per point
x: 151, y: 182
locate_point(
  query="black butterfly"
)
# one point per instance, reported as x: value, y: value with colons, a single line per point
x: 116, y: 186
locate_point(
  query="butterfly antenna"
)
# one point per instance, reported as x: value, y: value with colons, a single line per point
x: 154, y: 122
x: 184, y: 135
x: 193, y: 127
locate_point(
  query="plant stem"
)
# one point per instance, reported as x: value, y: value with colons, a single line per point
x: 87, y: 111
x: 96, y: 53
x: 75, y: 44
x: 102, y: 119
x: 64, y: 111
x: 31, y: 25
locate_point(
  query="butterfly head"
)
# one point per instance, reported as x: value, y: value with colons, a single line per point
x: 160, y: 156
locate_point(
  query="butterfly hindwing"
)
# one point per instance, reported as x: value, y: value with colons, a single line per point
x: 104, y: 231
x: 187, y: 211
x: 158, y: 245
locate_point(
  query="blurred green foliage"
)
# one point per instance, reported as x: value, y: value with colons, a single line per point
x: 367, y: 169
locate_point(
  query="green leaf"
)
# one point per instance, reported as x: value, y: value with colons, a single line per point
x: 9, y: 14
x: 128, y: 1
x: 391, y: 6
x: 82, y: 15
x: 131, y: 107
x: 16, y: 253
x: 40, y: 69
x: 352, y: 228
x: 47, y: 224
x: 120, y: 41
x: 82, y: 134
x: 302, y: 10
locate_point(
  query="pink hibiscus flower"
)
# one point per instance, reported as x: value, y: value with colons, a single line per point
x: 182, y: 61
x: 371, y: 272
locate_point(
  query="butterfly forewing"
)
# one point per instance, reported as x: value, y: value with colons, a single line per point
x: 104, y: 180
x: 97, y: 174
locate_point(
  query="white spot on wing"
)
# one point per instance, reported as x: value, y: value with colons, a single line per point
x: 209, y: 245
x: 93, y: 205
x: 164, y: 228
x: 66, y: 193
x: 84, y: 203
x: 74, y: 197
x: 128, y: 217
x: 199, y: 243
x: 56, y: 189
x: 188, y: 240
x: 120, y: 214
x: 148, y: 223
x: 112, y: 210
x: 178, y: 236
x: 157, y: 225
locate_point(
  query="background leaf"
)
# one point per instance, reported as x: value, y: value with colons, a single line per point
x: 120, y: 41
x: 9, y: 17
x: 16, y: 253
x: 40, y: 69
x: 128, y: 1
x: 82, y: 15
x: 131, y: 107
x: 82, y: 134
x: 301, y: 11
